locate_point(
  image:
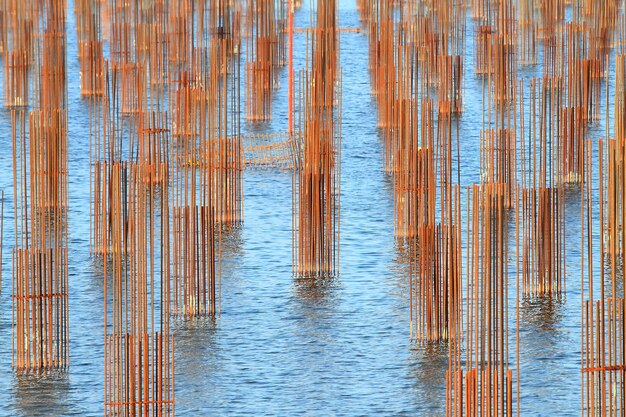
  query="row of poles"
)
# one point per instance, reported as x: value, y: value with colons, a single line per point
x: 603, y: 354
x: 33, y: 46
x: 534, y: 155
x: 164, y: 85
x: 167, y: 177
x: 167, y: 158
x: 316, y: 185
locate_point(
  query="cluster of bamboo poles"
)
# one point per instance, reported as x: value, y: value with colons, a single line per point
x: 34, y: 45
x: 602, y: 315
x: 139, y: 346
x: 416, y: 67
x: 265, y: 54
x: 316, y: 185
x: 166, y: 180
x: 603, y: 355
x: 19, y: 38
x: 479, y: 381
x: 165, y: 102
x: 130, y: 233
x: 541, y: 221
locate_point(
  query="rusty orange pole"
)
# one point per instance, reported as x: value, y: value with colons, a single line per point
x: 290, y: 67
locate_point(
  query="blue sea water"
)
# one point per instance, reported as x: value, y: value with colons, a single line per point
x: 281, y: 347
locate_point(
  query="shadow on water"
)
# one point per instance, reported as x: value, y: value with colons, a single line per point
x: 50, y: 392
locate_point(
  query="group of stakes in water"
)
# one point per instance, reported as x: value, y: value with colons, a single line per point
x: 163, y: 82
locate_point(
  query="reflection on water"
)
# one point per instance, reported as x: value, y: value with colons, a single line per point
x: 50, y: 392
x: 401, y: 268
x: 197, y: 360
x: 616, y: 263
x: 315, y: 289
x: 314, y: 308
x: 543, y: 314
x: 427, y: 367
x: 549, y: 356
x: 231, y: 244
